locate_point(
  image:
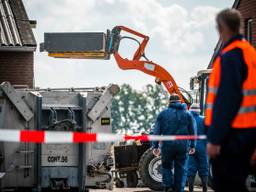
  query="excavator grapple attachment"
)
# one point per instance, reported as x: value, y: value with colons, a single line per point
x: 90, y: 45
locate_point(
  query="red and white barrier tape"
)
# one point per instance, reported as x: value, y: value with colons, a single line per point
x: 13, y: 135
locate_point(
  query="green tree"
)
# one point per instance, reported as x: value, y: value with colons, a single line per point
x: 135, y: 111
x: 156, y: 102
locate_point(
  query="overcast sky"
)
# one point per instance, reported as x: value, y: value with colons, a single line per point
x: 182, y: 38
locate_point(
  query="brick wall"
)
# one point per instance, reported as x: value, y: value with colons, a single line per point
x: 17, y: 68
x: 248, y: 10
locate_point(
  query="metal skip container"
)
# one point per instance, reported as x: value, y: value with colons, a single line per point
x: 56, y: 166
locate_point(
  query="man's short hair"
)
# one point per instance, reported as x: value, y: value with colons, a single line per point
x: 231, y: 18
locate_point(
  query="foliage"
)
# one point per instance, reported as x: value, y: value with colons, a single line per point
x: 135, y: 111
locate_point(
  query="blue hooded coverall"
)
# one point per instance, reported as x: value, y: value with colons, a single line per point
x: 199, y: 160
x: 175, y: 120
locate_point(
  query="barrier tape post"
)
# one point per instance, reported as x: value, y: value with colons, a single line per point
x: 55, y: 137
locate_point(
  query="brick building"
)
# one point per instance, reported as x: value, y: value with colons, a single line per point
x: 17, y: 44
x: 248, y: 11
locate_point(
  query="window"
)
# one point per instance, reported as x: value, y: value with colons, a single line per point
x: 248, y: 29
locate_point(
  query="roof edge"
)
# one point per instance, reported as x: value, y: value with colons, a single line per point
x: 18, y: 49
x: 236, y: 4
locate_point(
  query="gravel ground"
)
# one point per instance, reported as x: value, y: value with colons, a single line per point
x: 197, y: 189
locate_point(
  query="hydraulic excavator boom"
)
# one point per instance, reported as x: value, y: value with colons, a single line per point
x: 137, y: 63
x: 66, y: 46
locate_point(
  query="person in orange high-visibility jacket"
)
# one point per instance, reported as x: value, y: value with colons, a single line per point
x: 231, y: 106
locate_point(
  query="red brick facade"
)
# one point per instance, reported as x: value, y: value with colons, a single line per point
x: 17, y: 68
x: 248, y: 11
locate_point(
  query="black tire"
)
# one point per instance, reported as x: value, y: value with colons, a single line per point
x: 146, y: 177
x: 119, y: 183
x: 132, y: 179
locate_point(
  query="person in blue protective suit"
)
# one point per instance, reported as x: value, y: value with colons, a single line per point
x: 175, y: 120
x: 198, y: 162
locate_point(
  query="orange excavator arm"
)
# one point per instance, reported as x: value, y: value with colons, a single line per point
x: 137, y: 63
x: 101, y: 46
